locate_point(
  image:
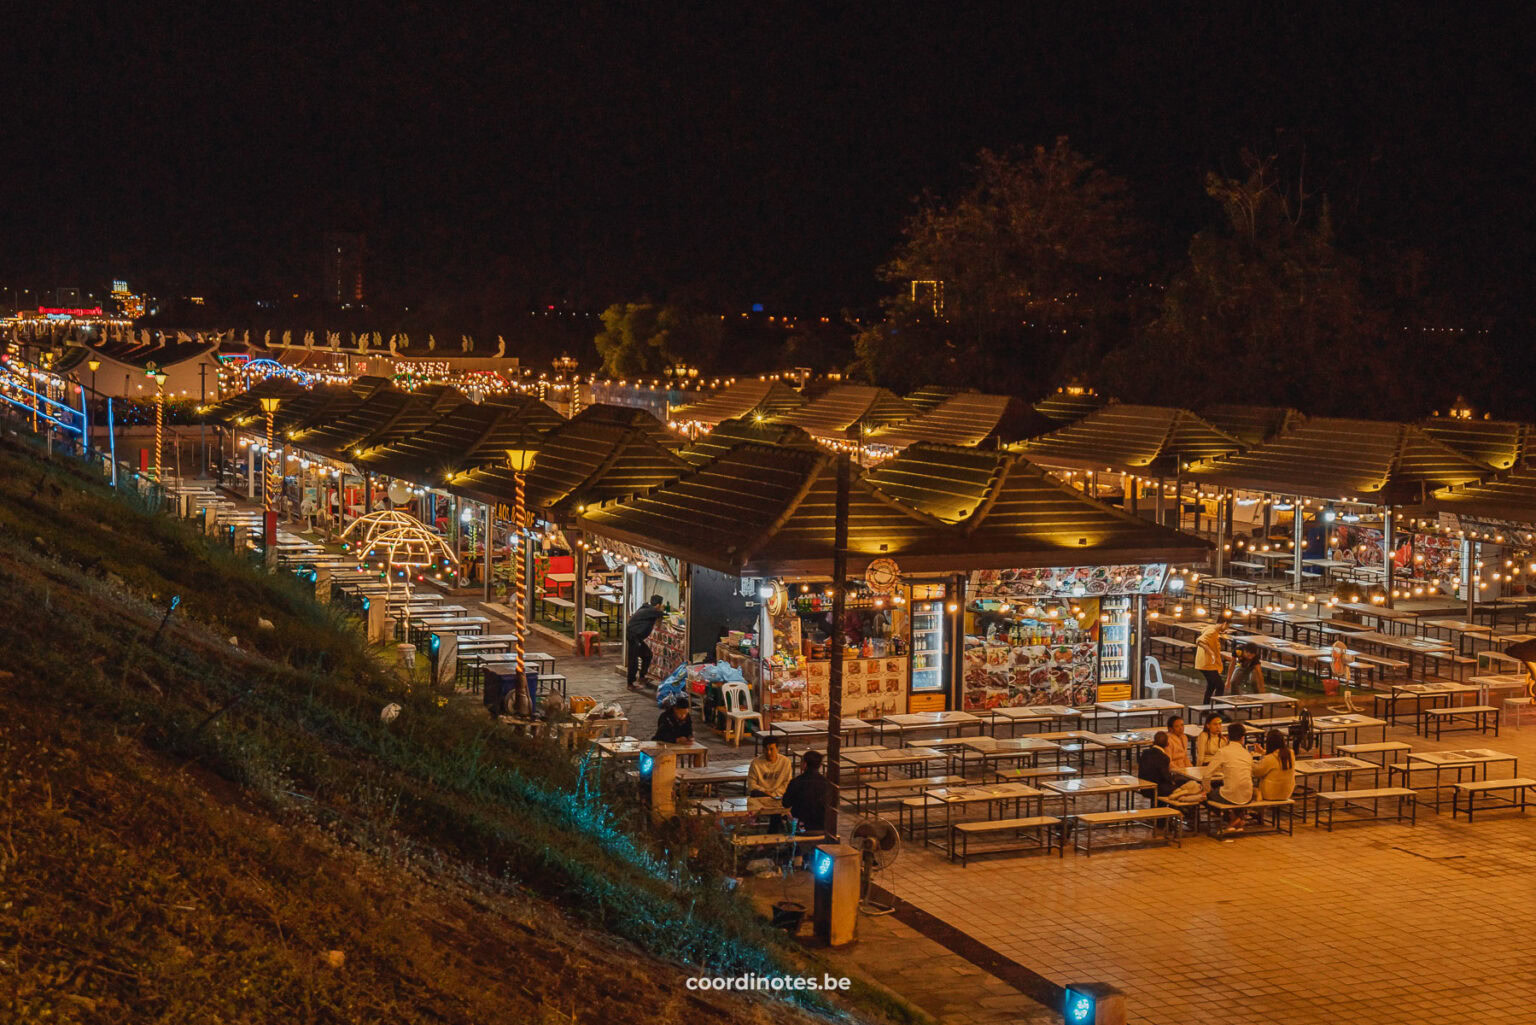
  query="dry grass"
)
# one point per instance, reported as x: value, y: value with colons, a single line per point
x: 189, y: 826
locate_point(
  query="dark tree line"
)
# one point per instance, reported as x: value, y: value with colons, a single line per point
x: 1040, y: 270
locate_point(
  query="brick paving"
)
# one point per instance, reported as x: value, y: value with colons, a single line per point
x: 1373, y: 923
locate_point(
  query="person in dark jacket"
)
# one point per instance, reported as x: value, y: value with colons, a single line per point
x: 809, y: 794
x: 641, y: 623
x: 1155, y: 767
x: 675, y: 725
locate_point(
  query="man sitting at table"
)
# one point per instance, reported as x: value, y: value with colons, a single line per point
x: 675, y: 725
x: 1233, y: 766
x: 768, y: 776
x: 1153, y: 766
x: 809, y: 794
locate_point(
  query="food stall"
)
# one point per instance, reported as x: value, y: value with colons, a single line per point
x: 926, y: 606
x: 1054, y: 636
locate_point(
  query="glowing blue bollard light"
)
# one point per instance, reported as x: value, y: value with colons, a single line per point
x: 822, y: 864
x: 1092, y: 1003
x: 647, y: 763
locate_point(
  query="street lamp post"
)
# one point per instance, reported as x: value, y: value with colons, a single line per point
x: 159, y: 377
x: 519, y: 461
x: 90, y: 438
x: 269, y: 484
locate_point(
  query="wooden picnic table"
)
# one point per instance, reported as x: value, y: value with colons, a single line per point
x: 626, y: 748
x: 1333, y: 768
x: 1015, y: 715
x: 1111, y: 788
x: 1263, y: 701
x: 1132, y: 707
x: 873, y: 757
x: 733, y: 808
x: 785, y: 730
x: 952, y: 720
x: 1476, y: 759
x: 1351, y: 723
x: 993, y: 749
x: 987, y: 794
x: 1295, y: 622
x: 713, y: 776
x: 1421, y: 692
x: 1499, y: 681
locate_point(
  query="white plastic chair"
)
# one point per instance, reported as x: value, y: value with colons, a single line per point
x: 738, y: 711
x: 1152, y: 685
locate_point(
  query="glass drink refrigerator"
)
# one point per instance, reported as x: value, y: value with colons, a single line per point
x: 1115, y: 649
x: 928, y: 649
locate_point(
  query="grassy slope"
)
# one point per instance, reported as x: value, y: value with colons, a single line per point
x: 187, y: 827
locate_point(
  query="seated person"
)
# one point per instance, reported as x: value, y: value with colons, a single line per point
x: 1153, y: 765
x: 1178, y: 744
x: 676, y: 724
x: 1233, y: 765
x: 1276, y: 771
x: 768, y: 775
x: 809, y: 794
x: 1210, y: 741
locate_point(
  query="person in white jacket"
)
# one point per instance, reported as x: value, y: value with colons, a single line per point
x: 769, y: 773
x: 1233, y: 765
x: 768, y: 776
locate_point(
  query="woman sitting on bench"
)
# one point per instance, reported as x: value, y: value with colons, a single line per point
x: 1276, y: 771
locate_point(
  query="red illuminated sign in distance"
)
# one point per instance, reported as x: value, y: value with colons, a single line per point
x: 69, y: 311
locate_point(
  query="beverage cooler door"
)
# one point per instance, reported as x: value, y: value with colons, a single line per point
x: 927, y: 647
x: 1115, y: 641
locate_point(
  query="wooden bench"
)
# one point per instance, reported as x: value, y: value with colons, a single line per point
x: 1045, y: 832
x: 1185, y: 805
x: 1020, y: 774
x: 1285, y: 809
x: 1347, y: 798
x: 564, y: 604
x: 1458, y: 663
x: 1164, y: 821
x: 869, y: 793
x: 1521, y: 785
x: 1385, y: 748
x: 1178, y: 644
x: 603, y: 619
x: 752, y: 841
x: 1476, y: 716
x: 907, y: 813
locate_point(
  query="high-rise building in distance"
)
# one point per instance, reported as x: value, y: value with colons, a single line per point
x: 343, y: 283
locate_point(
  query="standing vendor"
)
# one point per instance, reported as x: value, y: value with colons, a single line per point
x: 641, y: 623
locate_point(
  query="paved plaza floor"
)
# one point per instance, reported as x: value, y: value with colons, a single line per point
x: 1372, y: 923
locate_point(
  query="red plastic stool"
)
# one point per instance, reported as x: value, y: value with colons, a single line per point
x: 588, y: 643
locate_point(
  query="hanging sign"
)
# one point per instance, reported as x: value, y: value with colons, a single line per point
x: 883, y: 576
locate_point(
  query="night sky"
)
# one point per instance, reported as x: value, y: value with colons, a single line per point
x: 737, y: 153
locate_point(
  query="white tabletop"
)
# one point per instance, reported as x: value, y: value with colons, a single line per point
x: 949, y: 718
x: 1133, y: 705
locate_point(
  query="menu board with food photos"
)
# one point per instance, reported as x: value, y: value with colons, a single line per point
x: 1036, y: 661
x: 872, y: 687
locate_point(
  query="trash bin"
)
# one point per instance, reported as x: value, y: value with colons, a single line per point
x: 501, y: 688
